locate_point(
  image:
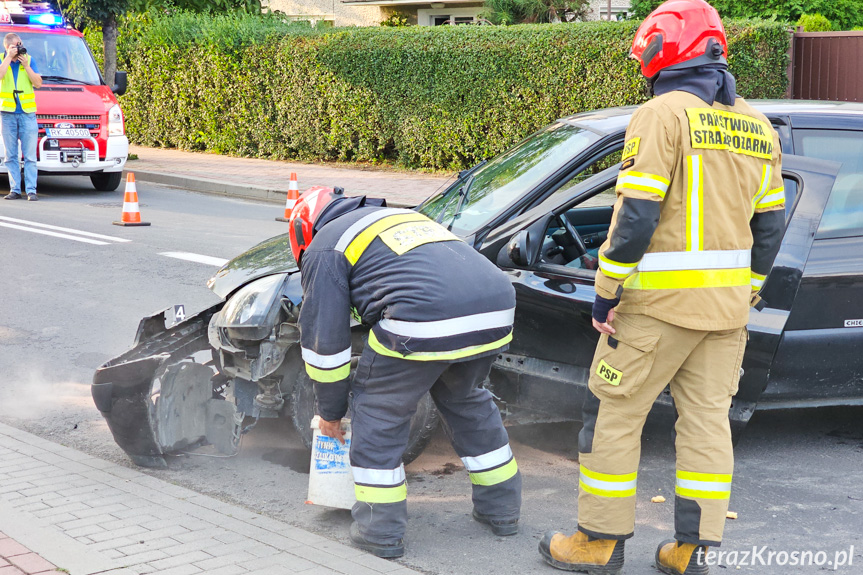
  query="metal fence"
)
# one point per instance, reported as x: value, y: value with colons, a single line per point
x: 827, y: 66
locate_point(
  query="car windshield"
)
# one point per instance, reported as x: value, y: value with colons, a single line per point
x: 507, y: 177
x: 62, y: 56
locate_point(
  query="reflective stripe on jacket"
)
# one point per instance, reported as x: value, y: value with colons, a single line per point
x: 427, y: 295
x: 8, y: 86
x: 694, y: 188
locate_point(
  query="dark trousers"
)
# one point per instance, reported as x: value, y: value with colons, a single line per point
x: 386, y: 391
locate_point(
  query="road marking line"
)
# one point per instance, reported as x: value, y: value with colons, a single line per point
x: 210, y: 261
x: 55, y: 234
x: 59, y: 229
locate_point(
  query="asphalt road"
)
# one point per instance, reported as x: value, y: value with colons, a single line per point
x: 69, y: 305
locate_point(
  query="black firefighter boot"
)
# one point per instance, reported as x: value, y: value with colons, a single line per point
x: 581, y: 552
x: 385, y: 551
x: 677, y: 558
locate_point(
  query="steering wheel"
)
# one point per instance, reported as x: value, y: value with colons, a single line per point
x: 571, y: 231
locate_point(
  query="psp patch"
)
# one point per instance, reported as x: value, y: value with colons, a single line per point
x: 711, y: 129
x: 405, y: 237
x: 608, y: 374
x: 630, y: 148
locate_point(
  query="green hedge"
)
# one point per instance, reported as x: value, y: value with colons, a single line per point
x: 845, y: 14
x: 437, y: 98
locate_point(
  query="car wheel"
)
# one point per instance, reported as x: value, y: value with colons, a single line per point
x: 423, y: 424
x: 106, y: 182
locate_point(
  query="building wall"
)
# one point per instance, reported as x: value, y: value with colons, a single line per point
x: 329, y: 10
x: 351, y: 15
x: 598, y: 7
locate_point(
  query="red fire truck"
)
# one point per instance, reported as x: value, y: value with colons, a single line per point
x: 81, y: 125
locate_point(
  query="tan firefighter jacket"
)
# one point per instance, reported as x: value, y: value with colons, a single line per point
x: 699, y: 215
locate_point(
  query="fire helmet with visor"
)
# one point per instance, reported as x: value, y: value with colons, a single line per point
x: 305, y: 214
x: 680, y: 34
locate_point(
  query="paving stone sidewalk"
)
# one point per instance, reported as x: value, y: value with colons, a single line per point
x: 85, y: 516
x: 268, y: 180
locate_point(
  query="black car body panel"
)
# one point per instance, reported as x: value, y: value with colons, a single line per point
x: 820, y: 360
x: 272, y: 256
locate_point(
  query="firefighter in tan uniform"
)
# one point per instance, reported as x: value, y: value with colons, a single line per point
x: 698, y: 221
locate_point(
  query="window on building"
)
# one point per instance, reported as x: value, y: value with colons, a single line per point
x: 617, y: 13
x: 447, y: 19
x: 447, y: 16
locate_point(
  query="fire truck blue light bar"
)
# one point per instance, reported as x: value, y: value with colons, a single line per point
x: 46, y: 19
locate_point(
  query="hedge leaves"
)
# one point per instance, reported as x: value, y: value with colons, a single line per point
x: 436, y: 98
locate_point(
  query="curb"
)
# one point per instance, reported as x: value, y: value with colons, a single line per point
x: 221, y: 188
x: 210, y: 186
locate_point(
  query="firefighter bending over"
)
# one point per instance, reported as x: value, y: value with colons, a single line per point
x: 439, y: 314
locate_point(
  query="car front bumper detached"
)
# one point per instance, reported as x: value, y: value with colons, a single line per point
x: 156, y: 398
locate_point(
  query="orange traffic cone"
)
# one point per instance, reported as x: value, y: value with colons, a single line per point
x: 131, y: 213
x: 293, y: 196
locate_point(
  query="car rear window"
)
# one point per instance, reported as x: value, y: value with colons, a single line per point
x: 843, y: 216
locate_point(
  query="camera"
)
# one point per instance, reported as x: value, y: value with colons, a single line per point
x: 21, y: 49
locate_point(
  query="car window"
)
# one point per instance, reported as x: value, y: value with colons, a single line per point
x: 591, y: 218
x: 599, y: 165
x: 843, y: 216
x: 506, y: 178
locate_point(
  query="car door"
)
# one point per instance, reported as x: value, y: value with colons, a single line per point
x: 539, y: 378
x: 819, y: 360
x: 544, y: 373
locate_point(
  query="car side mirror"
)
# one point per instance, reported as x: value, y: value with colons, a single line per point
x: 518, y: 249
x: 121, y: 82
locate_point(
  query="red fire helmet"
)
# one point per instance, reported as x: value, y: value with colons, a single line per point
x: 302, y: 223
x: 680, y: 34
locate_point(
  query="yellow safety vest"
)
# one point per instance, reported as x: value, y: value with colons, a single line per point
x: 8, y: 86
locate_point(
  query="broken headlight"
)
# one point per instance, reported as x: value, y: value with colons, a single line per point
x: 253, y: 311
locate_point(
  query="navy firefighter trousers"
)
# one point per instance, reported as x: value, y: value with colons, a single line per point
x: 386, y: 391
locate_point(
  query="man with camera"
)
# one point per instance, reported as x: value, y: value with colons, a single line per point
x: 18, y: 114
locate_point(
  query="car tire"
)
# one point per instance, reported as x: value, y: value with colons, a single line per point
x: 106, y: 181
x: 423, y: 424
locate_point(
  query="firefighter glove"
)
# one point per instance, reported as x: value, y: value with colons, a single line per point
x: 601, y: 307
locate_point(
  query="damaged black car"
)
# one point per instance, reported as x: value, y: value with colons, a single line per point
x: 540, y: 211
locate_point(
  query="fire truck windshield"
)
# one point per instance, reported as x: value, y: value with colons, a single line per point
x: 61, y: 58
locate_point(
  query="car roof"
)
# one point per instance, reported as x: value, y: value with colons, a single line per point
x: 613, y: 120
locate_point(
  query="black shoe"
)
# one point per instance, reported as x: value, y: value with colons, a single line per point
x: 12, y: 196
x: 500, y: 528
x: 32, y: 198
x: 378, y: 549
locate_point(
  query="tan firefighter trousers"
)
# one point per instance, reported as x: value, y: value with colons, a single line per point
x: 630, y: 369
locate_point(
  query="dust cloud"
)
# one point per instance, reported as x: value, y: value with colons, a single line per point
x: 35, y: 395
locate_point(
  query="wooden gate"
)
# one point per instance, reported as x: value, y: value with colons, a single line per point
x: 827, y: 66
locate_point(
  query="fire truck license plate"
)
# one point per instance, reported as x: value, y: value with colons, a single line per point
x: 67, y: 132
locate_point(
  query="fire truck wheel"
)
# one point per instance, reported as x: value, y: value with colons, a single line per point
x: 106, y: 182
